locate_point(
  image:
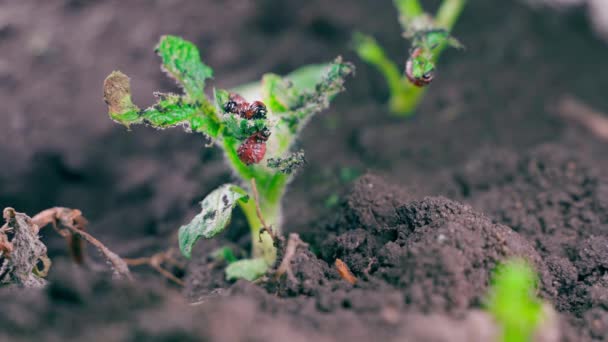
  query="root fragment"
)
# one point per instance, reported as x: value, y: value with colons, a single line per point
x: 596, y: 122
x: 293, y: 243
x: 156, y: 261
x: 60, y: 218
x: 345, y: 272
x: 70, y: 224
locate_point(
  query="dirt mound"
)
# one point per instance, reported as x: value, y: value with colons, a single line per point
x: 420, y: 263
x: 555, y: 199
x: 438, y: 252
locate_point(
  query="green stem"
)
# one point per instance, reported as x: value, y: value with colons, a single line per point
x: 449, y: 12
x: 408, y: 10
x: 271, y: 188
x: 372, y: 53
x: 271, y: 213
x: 404, y: 102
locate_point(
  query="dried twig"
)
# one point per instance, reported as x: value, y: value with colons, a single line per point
x: 285, y: 267
x: 156, y: 261
x: 593, y: 120
x: 345, y: 272
x: 60, y: 218
x: 70, y: 223
x: 368, y: 269
x: 5, y: 246
x: 265, y: 228
x: 118, y: 264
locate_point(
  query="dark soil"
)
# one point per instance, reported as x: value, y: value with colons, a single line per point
x: 484, y: 171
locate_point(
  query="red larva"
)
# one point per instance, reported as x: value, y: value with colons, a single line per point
x: 256, y: 110
x: 237, y: 105
x: 426, y: 79
x: 253, y: 149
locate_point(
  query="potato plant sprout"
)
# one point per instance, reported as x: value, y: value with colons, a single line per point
x: 513, y: 301
x: 255, y: 125
x: 428, y: 35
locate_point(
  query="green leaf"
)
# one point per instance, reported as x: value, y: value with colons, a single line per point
x: 169, y: 111
x: 224, y: 254
x: 278, y: 93
x: 248, y: 269
x: 240, y: 128
x: 422, y: 65
x: 182, y: 61
x: 213, y: 218
x: 305, y: 77
x: 312, y: 101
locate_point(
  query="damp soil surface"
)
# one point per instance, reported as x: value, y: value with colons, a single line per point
x: 420, y: 209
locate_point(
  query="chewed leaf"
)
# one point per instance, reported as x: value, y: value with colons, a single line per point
x: 312, y: 101
x: 248, y: 269
x: 170, y: 109
x: 117, y: 95
x: 213, y: 218
x: 182, y: 61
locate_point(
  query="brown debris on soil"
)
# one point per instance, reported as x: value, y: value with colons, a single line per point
x: 345, y: 272
x: 157, y: 260
x: 579, y: 112
x: 293, y: 243
x: 22, y: 252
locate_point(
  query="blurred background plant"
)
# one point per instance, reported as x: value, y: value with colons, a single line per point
x: 429, y: 36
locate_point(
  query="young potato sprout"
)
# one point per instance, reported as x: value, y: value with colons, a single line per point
x: 255, y: 125
x: 428, y: 37
x: 513, y: 301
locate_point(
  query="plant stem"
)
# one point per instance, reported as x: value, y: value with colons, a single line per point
x: 449, y: 12
x: 272, y: 215
x: 408, y: 10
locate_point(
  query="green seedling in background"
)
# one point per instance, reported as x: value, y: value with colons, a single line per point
x: 513, y: 301
x: 257, y: 138
x: 428, y: 35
